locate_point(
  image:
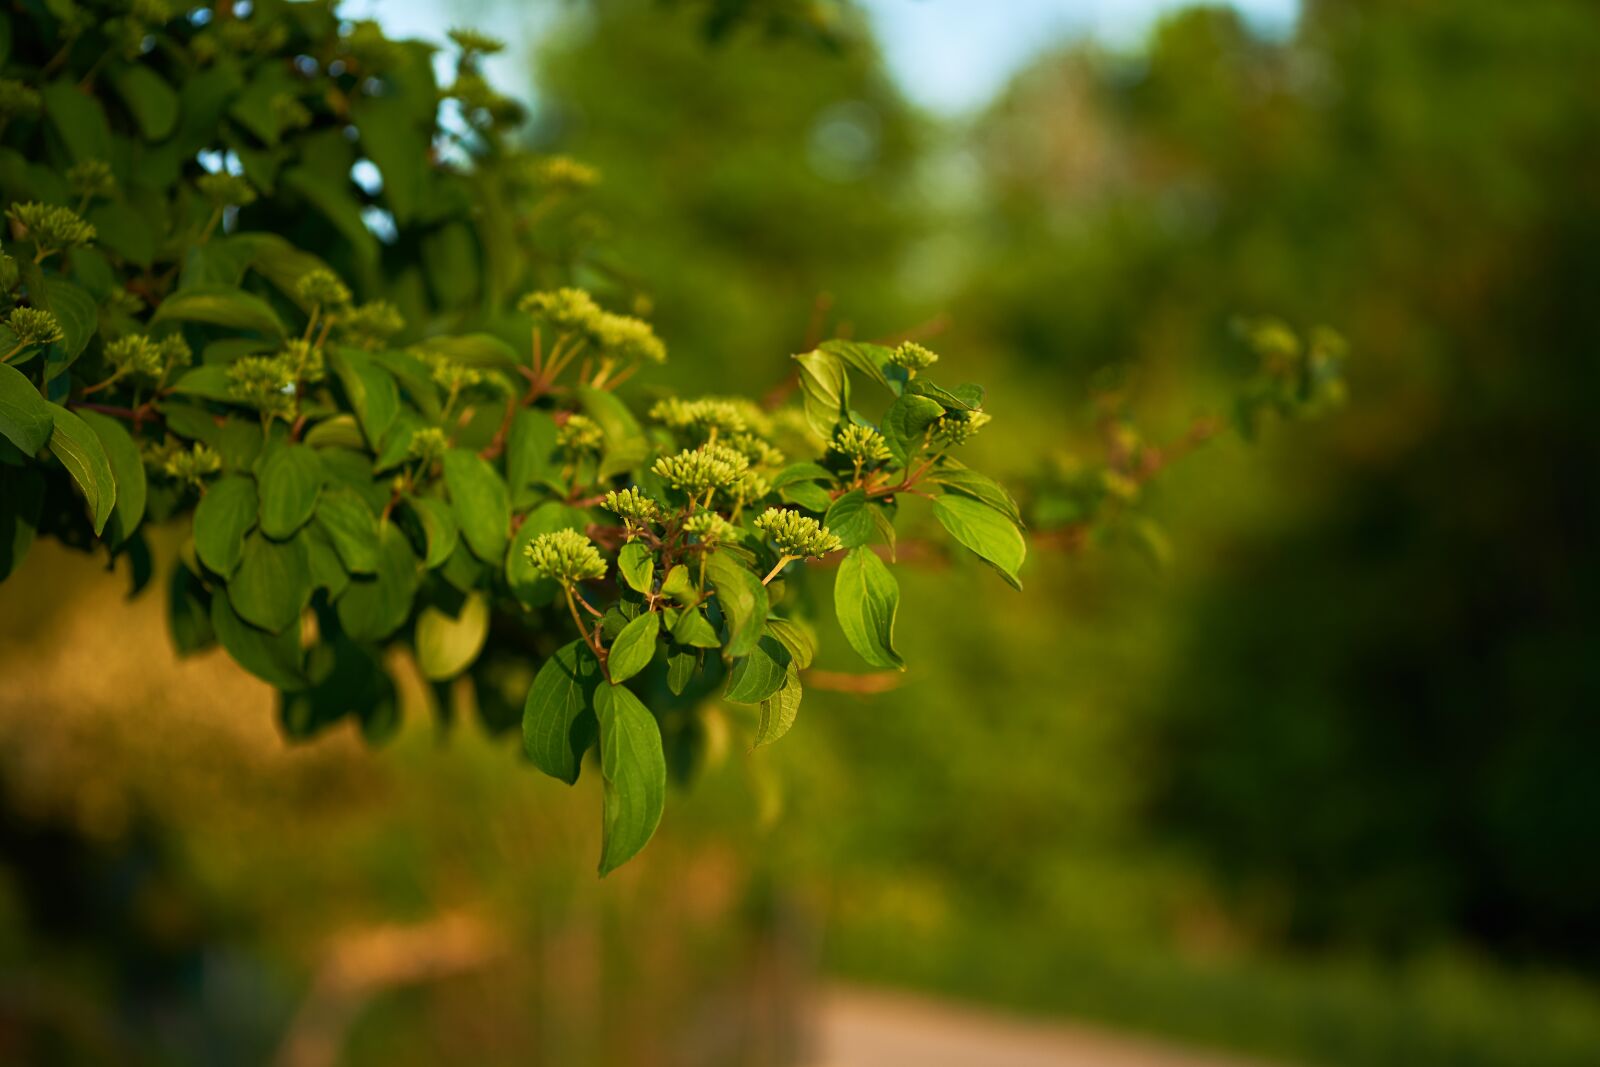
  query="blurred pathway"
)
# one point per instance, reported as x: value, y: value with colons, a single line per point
x: 872, y: 1028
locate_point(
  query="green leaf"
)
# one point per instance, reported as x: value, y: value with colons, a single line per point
x: 483, y: 350
x: 209, y: 382
x: 968, y: 482
x: 274, y: 658
x: 678, y: 586
x: 799, y: 640
x: 373, y: 395
x: 482, y: 504
x: 152, y: 101
x: 557, y: 723
x: 850, y: 519
x: 637, y: 565
x: 627, y: 446
x: 273, y: 583
x: 79, y: 450
x: 870, y: 359
x: 635, y: 770
x: 808, y: 495
x: 634, y: 647
x: 779, y: 710
x: 757, y: 676
x: 743, y: 599
x: 220, y: 305
x: 225, y: 514
x: 395, y: 140
x: 333, y: 200
x: 530, y: 451
x: 962, y: 398
x: 77, y: 313
x: 681, y: 664
x: 375, y: 606
x: 989, y: 533
x: 906, y: 423
x: 693, y: 629
x: 327, y: 570
x: 25, y: 418
x: 128, y: 470
x: 447, y: 645
x: 340, y: 431
x: 440, y: 534
x: 351, y: 527
x: 290, y: 478
x: 825, y: 388
x: 801, y: 472
x: 866, y: 598
x: 188, y: 612
x: 78, y: 118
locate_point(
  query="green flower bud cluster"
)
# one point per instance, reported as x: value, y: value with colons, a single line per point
x: 191, y: 465
x: 756, y: 450
x: 913, y: 357
x: 427, y: 444
x: 91, y: 178
x: 473, y: 42
x: 701, y: 415
x: 33, y: 326
x: 794, y: 534
x: 563, y: 174
x: 53, y: 229
x: 289, y: 112
x: 450, y: 375
x: 370, y: 325
x: 226, y: 190
x: 750, y: 487
x: 697, y: 469
x: 632, y: 506
x: 958, y: 427
x: 135, y: 354
x: 304, y: 361
x: 565, y: 556
x: 568, y: 310
x: 708, y: 526
x: 626, y: 338
x: 323, y: 288
x: 265, y: 383
x: 862, y: 445
x: 580, y: 435
x: 17, y: 99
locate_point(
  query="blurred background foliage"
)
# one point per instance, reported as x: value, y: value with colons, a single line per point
x: 1321, y: 786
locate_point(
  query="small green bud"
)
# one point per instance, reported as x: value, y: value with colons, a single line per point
x: 34, y: 326
x: 91, y: 178
x: 175, y: 353
x: 323, y: 288
x: 913, y: 357
x: 565, y: 556
x: 191, y: 465
x: 632, y: 506
x: 794, y: 534
x: 756, y: 450
x: 304, y: 361
x: 862, y: 445
x: 750, y: 487
x: 580, y: 435
x: 225, y: 190
x: 701, y: 415
x: 568, y: 310
x: 53, y: 229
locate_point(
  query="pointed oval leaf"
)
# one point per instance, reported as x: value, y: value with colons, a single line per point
x: 448, y: 644
x: 850, y: 519
x: 371, y: 391
x: 866, y: 598
x: 757, y: 676
x: 225, y: 514
x: 221, y: 305
x: 989, y: 533
x: 558, y: 724
x: 351, y: 527
x: 779, y: 710
x: 637, y: 565
x: 80, y: 451
x: 289, y: 482
x: 273, y: 583
x: 481, y: 503
x: 743, y: 598
x: 634, y: 647
x: 127, y: 467
x: 274, y: 658
x: 24, y: 415
x: 635, y: 770
x: 373, y: 607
